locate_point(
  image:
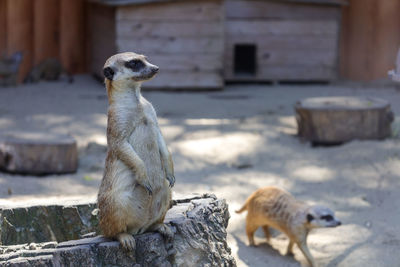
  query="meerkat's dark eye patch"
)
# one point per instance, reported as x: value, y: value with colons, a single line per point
x: 135, y: 64
x: 327, y: 218
x: 108, y: 73
x: 310, y: 217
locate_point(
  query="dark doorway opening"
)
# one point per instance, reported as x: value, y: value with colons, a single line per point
x: 245, y: 59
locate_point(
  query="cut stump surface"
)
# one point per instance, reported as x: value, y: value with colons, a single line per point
x: 38, y: 153
x: 335, y: 120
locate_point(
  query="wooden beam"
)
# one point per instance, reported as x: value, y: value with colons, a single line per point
x: 46, y: 30
x: 206, y: 10
x: 284, y: 27
x: 145, y: 29
x: 72, y: 35
x: 182, y: 45
x: 185, y: 80
x: 19, y: 32
x: 279, y: 10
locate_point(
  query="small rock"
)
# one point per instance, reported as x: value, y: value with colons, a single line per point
x: 32, y: 246
x: 243, y: 166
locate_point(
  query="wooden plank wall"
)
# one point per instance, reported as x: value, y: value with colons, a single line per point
x: 72, y: 35
x: 3, y: 27
x: 46, y: 24
x: 101, y: 37
x: 185, y: 39
x: 42, y: 29
x: 294, y: 41
x: 370, y: 39
x: 19, y: 32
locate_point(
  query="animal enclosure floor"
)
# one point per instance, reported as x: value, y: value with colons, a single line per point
x: 230, y: 143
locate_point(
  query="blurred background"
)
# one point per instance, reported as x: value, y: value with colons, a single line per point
x: 207, y: 43
x: 231, y: 73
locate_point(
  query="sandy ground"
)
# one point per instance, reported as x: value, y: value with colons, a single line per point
x: 230, y: 143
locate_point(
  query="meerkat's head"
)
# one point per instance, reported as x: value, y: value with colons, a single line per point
x: 128, y: 69
x: 320, y: 216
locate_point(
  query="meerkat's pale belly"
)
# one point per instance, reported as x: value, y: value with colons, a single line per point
x: 144, y: 141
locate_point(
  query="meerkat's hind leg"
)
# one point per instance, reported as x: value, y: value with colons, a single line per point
x: 164, y: 230
x: 127, y: 241
x: 266, y: 232
x: 289, y: 250
x: 250, y: 230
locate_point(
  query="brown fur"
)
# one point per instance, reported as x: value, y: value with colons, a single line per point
x: 135, y: 192
x: 276, y: 208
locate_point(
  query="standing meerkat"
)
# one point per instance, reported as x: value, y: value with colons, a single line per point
x: 135, y: 192
x: 276, y: 208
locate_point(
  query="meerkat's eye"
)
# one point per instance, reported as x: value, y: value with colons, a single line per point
x: 134, y: 64
x: 327, y: 218
x: 310, y: 217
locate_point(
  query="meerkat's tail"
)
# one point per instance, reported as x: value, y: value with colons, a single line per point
x: 243, y: 208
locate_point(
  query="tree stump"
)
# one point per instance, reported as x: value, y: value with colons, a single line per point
x: 335, y: 120
x: 38, y: 153
x: 198, y: 221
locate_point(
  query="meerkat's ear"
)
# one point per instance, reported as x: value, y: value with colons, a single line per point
x: 108, y: 73
x: 310, y: 217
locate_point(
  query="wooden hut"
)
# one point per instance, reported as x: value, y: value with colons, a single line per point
x: 282, y: 40
x: 202, y: 44
x: 184, y: 38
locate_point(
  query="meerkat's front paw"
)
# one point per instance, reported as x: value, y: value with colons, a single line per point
x: 171, y: 179
x: 148, y: 188
x: 144, y: 181
x: 127, y: 241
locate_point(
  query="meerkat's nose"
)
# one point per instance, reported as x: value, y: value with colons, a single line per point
x: 156, y: 69
x: 339, y: 223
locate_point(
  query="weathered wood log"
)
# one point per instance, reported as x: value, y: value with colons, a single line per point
x: 335, y: 120
x: 199, y: 223
x: 38, y: 154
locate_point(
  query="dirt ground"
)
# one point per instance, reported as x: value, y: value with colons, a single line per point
x: 231, y: 143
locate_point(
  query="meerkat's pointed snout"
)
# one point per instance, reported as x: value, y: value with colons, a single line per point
x: 155, y: 69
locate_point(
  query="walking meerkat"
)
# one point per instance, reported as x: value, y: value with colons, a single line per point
x: 135, y: 192
x: 276, y: 208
